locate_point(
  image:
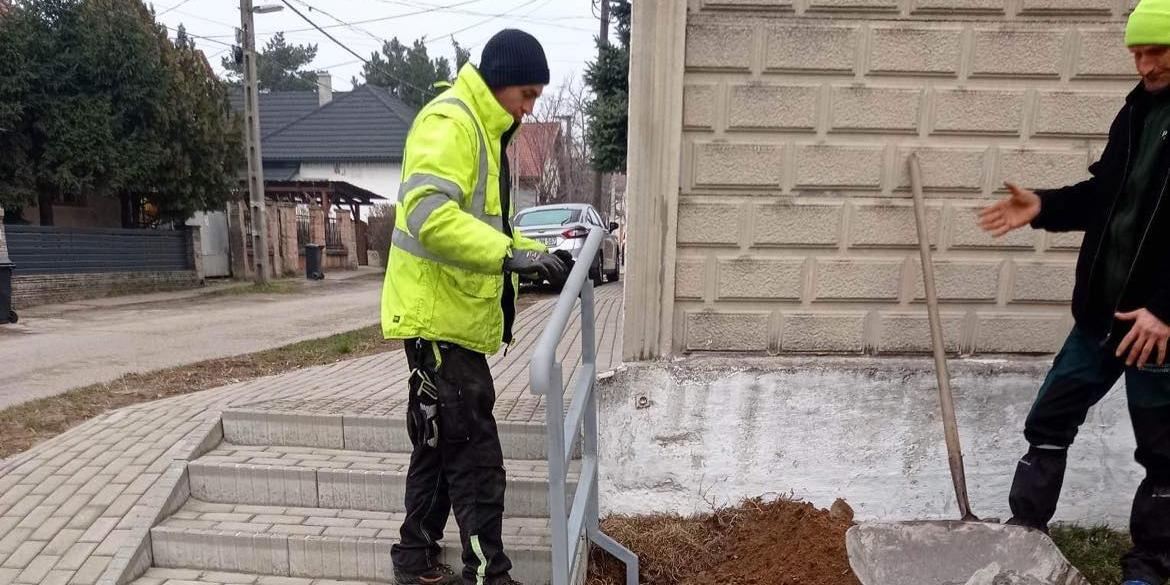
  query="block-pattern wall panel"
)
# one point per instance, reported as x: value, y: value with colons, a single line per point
x: 795, y: 226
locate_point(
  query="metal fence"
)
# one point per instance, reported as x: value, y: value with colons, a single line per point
x: 332, y: 234
x: 547, y: 380
x: 56, y: 250
x: 302, y: 230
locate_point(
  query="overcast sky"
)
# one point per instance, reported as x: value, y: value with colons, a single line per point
x: 566, y: 28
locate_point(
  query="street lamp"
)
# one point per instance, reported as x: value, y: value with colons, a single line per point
x: 255, y: 160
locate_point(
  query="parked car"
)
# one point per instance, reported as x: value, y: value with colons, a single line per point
x: 565, y: 227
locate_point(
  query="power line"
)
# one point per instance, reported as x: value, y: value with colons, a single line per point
x: 380, y: 19
x: 173, y: 7
x: 338, y: 20
x: 194, y: 36
x: 208, y: 20
x: 482, y: 22
x: 541, y: 21
x: 352, y: 52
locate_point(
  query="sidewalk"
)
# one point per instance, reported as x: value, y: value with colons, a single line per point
x: 55, y: 348
x: 72, y: 509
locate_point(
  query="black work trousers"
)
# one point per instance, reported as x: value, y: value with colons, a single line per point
x: 464, y: 471
x: 1082, y: 374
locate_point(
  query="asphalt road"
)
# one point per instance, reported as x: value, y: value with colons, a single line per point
x: 58, y: 347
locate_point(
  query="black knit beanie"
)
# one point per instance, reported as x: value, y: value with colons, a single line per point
x: 513, y: 57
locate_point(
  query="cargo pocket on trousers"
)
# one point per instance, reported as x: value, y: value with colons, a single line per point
x: 453, y: 415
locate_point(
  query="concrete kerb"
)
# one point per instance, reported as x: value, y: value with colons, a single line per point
x: 360, y: 432
x: 167, y: 495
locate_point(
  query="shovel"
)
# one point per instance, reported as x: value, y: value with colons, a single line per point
x: 964, y: 552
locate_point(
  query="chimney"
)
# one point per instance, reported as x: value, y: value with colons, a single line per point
x: 324, y: 88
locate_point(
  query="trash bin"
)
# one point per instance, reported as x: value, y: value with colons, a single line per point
x: 313, y: 262
x: 7, y: 315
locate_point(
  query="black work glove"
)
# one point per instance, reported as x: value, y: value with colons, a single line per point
x: 543, y: 264
x: 567, y: 258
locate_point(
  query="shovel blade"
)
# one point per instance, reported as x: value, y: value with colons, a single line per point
x: 956, y: 553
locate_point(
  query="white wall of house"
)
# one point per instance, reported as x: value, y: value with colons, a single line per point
x: 382, y: 178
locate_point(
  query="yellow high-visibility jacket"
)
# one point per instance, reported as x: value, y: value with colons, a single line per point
x: 445, y: 277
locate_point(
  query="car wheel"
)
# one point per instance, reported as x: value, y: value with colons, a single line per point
x: 616, y: 275
x: 596, y: 273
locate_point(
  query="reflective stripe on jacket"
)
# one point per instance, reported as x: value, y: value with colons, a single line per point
x: 444, y: 279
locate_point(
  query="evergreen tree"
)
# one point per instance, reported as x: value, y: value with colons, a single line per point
x: 608, y: 111
x: 96, y: 101
x: 279, y: 66
x: 409, y: 72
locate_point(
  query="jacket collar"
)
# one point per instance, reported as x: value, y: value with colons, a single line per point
x: 496, y: 120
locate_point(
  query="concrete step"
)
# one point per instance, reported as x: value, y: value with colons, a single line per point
x: 311, y: 477
x: 315, y: 543
x: 360, y: 432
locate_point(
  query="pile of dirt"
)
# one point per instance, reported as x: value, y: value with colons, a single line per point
x: 780, y: 542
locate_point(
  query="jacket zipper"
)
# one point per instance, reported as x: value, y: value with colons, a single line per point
x: 1109, y: 219
x: 1141, y: 243
x: 1138, y: 253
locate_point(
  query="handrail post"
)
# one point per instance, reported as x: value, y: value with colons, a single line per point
x: 547, y: 379
x: 554, y: 414
x: 588, y: 326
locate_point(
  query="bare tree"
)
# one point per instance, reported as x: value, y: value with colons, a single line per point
x: 562, y: 153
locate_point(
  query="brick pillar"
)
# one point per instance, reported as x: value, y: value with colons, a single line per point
x: 317, y: 225
x: 288, y: 232
x: 348, y: 239
x: 237, y: 240
x: 274, y: 252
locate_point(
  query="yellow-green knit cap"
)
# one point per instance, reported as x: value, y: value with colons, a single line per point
x: 1149, y: 24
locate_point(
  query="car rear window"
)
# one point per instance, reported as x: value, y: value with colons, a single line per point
x: 547, y: 217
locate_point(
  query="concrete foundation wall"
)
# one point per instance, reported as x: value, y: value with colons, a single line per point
x: 41, y: 289
x: 675, y: 436
x: 795, y: 231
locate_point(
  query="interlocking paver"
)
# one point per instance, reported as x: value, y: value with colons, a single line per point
x: 95, y: 475
x: 24, y: 554
x: 57, y: 577
x: 90, y: 571
x: 38, y: 569
x: 76, y: 556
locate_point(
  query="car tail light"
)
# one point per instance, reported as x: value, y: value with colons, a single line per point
x: 575, y: 233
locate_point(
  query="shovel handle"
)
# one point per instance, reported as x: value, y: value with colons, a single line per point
x: 946, y: 398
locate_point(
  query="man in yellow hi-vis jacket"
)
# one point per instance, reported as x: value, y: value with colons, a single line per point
x: 450, y: 294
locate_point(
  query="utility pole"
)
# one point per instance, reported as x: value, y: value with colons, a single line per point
x: 255, y: 162
x: 601, y: 45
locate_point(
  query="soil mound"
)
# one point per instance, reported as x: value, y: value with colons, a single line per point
x: 780, y: 542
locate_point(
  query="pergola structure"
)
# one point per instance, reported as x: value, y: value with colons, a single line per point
x: 322, y: 192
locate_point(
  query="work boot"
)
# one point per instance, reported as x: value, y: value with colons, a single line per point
x: 1013, y: 521
x: 438, y: 574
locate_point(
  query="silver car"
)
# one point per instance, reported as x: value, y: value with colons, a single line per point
x: 565, y: 227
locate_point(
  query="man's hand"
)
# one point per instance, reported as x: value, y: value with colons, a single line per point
x: 543, y: 264
x: 1148, y: 332
x: 1016, y: 211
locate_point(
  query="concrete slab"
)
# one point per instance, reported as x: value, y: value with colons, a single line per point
x: 956, y: 553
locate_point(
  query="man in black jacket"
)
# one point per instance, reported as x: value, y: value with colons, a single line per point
x: 1121, y: 303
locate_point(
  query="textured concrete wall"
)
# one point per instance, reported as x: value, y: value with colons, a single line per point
x: 795, y: 231
x: 675, y: 436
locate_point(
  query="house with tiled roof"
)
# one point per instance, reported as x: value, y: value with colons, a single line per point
x: 355, y: 137
x: 536, y: 160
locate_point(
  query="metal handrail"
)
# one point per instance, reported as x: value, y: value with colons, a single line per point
x: 548, y: 381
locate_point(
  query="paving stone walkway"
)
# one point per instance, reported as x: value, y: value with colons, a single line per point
x: 71, y: 507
